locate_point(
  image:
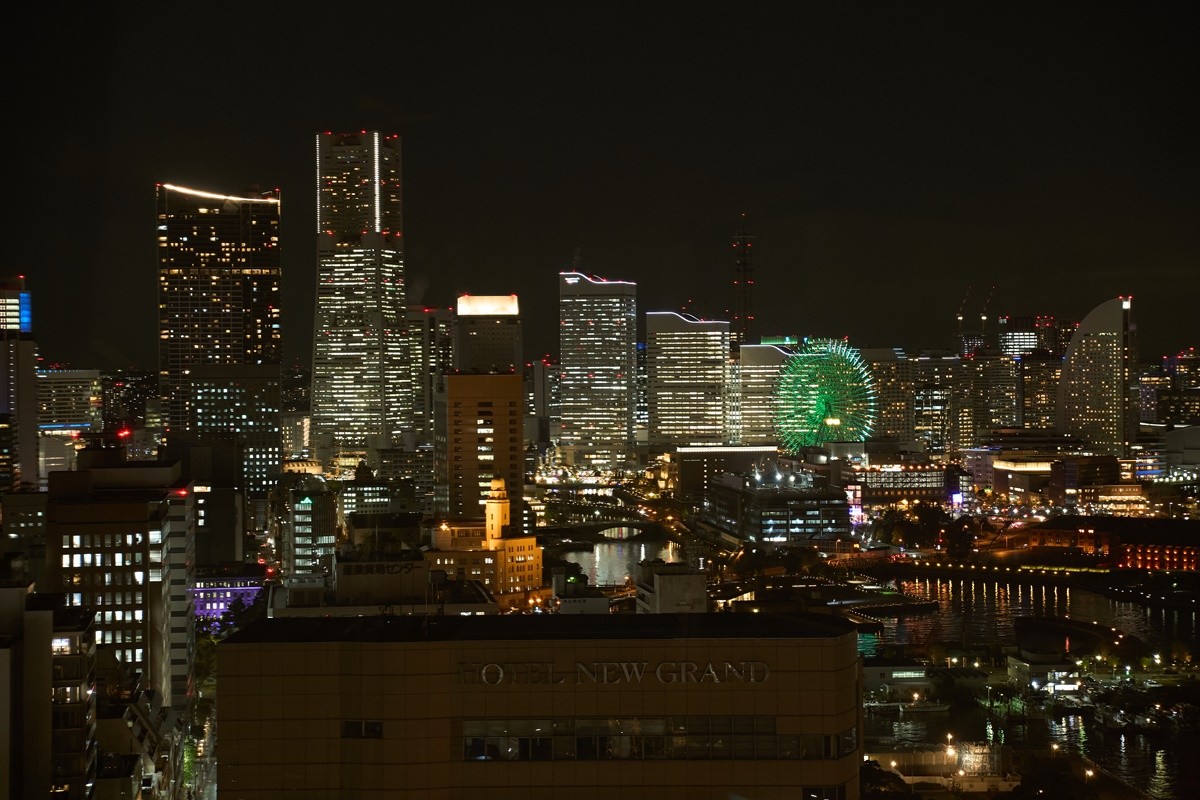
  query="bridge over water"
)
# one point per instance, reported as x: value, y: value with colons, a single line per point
x: 603, y: 530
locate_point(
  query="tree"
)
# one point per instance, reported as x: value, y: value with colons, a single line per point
x: 877, y: 783
x: 960, y: 537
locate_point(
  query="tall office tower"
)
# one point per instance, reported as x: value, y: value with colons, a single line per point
x: 641, y: 393
x: 478, y: 436
x: 487, y: 334
x: 1060, y: 336
x: 741, y: 326
x: 687, y: 375
x: 296, y: 389
x: 18, y: 391
x: 894, y: 384
x: 120, y: 540
x: 239, y: 404
x: 1184, y: 369
x: 1020, y: 335
x: 1038, y: 377
x: 218, y: 288
x: 431, y: 339
x: 985, y: 398
x: 759, y: 366
x: 1097, y: 396
x: 543, y: 408
x: 362, y: 379
x: 123, y: 398
x: 1178, y: 401
x: 933, y: 402
x: 47, y: 696
x: 597, y: 354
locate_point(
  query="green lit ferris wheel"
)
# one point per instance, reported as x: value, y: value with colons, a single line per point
x: 825, y: 393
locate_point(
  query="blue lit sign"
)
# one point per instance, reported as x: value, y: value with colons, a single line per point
x: 25, y: 313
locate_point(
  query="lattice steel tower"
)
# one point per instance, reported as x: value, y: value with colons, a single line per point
x: 743, y: 286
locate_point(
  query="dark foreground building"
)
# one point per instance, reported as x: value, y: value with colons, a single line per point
x: 661, y: 706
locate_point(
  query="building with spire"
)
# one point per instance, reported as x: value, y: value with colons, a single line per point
x: 362, y: 378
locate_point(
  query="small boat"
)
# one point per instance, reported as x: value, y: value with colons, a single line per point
x: 919, y: 706
x: 1113, y: 719
x: 874, y: 707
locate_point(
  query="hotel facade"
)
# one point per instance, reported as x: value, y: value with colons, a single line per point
x: 657, y: 706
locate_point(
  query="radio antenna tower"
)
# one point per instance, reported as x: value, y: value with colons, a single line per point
x: 743, y: 286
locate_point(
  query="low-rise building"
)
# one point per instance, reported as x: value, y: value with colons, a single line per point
x: 704, y: 706
x: 673, y: 588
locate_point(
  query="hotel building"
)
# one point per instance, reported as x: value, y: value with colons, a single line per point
x: 654, y: 706
x: 758, y: 371
x: 688, y: 380
x: 597, y: 352
x: 362, y: 377
x: 1097, y: 395
x: 218, y: 289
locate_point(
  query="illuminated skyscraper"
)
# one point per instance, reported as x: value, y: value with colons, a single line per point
x: 430, y: 333
x: 759, y: 366
x: 1039, y: 374
x: 487, y: 334
x: 218, y: 288
x: 894, y: 383
x: 1097, y: 396
x: 597, y: 344
x: 688, y: 370
x: 18, y: 387
x: 362, y: 379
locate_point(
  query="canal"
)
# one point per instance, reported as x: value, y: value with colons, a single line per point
x: 982, y: 612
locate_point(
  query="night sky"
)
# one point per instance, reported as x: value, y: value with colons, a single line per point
x: 890, y: 156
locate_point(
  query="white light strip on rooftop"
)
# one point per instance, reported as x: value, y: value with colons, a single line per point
x: 211, y: 196
x: 590, y: 279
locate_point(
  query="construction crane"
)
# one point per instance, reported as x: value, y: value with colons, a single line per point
x: 962, y: 305
x: 983, y: 312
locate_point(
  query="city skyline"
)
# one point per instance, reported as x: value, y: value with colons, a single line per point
x: 889, y: 163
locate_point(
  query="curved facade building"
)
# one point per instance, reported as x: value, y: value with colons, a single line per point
x: 597, y: 363
x: 1097, y: 394
x: 656, y: 706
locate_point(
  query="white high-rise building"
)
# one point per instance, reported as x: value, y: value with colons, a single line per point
x: 758, y: 374
x: 362, y: 379
x: 688, y: 377
x: 1097, y: 394
x: 597, y: 359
